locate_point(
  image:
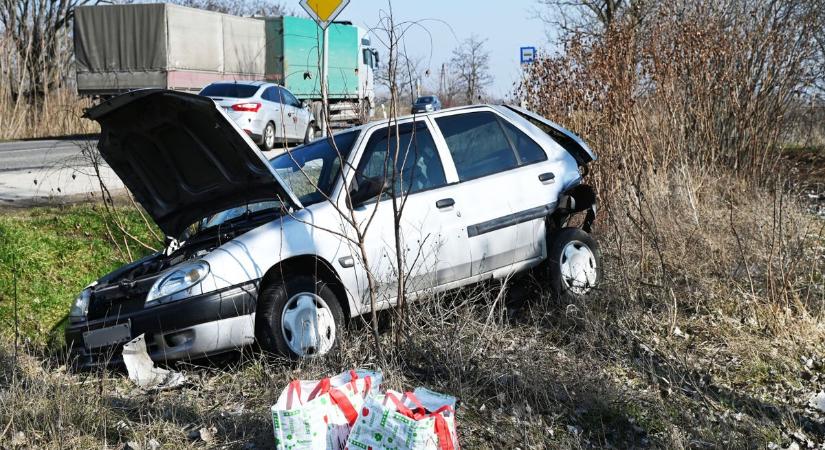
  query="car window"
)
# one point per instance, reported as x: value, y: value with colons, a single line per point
x: 477, y: 144
x: 528, y: 150
x: 270, y: 94
x: 290, y: 99
x: 232, y: 90
x: 310, y: 171
x: 232, y: 213
x: 418, y: 167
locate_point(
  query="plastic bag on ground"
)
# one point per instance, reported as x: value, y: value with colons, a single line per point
x: 419, y: 420
x: 319, y: 414
x: 142, y: 370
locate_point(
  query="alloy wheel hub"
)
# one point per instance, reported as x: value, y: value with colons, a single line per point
x: 578, y: 268
x: 270, y: 137
x: 307, y: 325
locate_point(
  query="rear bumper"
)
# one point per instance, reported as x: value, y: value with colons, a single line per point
x: 186, y: 329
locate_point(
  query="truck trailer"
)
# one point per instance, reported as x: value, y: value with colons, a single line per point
x: 119, y: 48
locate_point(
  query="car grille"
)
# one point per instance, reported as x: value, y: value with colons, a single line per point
x: 100, y: 308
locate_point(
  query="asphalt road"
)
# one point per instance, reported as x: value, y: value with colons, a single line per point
x: 54, y: 170
x: 42, y: 170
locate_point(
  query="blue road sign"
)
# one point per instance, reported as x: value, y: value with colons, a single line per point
x: 528, y: 54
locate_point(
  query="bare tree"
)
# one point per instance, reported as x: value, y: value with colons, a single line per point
x: 400, y: 75
x: 471, y: 67
x: 39, y: 33
x: 238, y: 7
x: 590, y: 16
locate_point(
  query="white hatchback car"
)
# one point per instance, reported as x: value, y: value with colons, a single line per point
x: 268, y: 113
x: 263, y: 251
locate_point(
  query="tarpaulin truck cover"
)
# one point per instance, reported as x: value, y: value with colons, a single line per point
x: 124, y: 47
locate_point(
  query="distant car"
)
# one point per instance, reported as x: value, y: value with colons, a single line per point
x: 258, y: 250
x: 268, y: 113
x: 426, y: 104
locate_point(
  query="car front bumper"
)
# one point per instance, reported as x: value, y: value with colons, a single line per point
x: 190, y: 328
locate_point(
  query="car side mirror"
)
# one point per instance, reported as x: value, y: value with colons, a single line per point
x: 305, y: 104
x: 366, y: 189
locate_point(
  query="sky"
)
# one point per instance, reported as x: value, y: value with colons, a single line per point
x: 507, y: 26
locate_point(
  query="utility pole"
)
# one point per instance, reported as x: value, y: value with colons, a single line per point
x: 324, y: 84
x: 441, y: 84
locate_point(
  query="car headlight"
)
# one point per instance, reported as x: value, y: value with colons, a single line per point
x: 80, y: 307
x: 178, y: 279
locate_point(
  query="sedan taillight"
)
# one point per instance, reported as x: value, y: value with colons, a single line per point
x: 246, y: 107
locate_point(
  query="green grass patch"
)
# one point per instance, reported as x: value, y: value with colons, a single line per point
x: 48, y: 254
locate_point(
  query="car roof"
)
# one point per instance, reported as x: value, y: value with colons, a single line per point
x: 467, y: 108
x: 245, y: 83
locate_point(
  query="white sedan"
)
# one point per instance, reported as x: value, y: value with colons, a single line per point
x: 268, y: 113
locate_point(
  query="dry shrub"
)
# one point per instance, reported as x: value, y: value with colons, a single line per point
x: 687, y: 110
x: 59, y: 114
x: 704, y: 82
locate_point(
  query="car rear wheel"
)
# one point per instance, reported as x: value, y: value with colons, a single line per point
x: 298, y: 317
x: 310, y: 134
x: 268, y: 137
x: 574, y: 263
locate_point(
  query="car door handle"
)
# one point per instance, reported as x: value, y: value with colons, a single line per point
x: 444, y: 203
x: 547, y: 176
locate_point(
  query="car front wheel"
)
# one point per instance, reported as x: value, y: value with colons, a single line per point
x: 574, y: 262
x: 298, y: 317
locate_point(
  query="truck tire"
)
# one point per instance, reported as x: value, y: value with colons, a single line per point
x: 317, y: 114
x: 298, y: 316
x: 364, y: 111
x: 574, y: 264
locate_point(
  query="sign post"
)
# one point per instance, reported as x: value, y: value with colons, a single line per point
x: 324, y: 12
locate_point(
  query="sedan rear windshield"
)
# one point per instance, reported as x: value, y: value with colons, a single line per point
x: 231, y: 90
x: 425, y: 100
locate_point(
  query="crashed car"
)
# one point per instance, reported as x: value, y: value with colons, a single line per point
x: 265, y: 251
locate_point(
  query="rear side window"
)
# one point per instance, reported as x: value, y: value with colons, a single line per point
x: 528, y: 151
x: 477, y: 144
x: 271, y: 94
x: 231, y: 90
x: 419, y: 166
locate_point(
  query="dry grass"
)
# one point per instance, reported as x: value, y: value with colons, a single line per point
x: 58, y: 113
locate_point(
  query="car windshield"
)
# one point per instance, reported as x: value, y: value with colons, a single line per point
x: 425, y: 100
x: 310, y: 171
x: 233, y: 213
x: 232, y: 90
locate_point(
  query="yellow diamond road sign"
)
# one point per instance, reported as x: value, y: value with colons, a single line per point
x: 324, y: 11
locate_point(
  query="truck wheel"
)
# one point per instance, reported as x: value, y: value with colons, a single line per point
x: 299, y: 317
x: 318, y: 113
x: 574, y: 264
x: 268, y: 138
x: 309, y: 136
x: 365, y: 111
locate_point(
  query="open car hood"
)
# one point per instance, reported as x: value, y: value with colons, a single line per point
x: 182, y: 158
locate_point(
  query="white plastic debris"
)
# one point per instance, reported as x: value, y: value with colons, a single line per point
x: 817, y: 401
x: 142, y: 370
